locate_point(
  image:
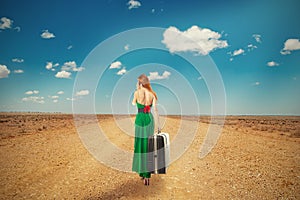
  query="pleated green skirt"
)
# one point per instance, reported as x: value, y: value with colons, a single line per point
x: 144, y: 127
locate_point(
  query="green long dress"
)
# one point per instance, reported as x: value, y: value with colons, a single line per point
x: 144, y: 127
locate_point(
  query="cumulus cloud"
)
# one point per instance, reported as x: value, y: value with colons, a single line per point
x: 257, y: 37
x: 55, y: 100
x: 54, y: 97
x: 18, y: 71
x: 17, y: 60
x: 60, y: 92
x: 156, y: 76
x: 70, y: 99
x: 122, y: 71
x: 5, y: 23
x: 35, y: 99
x: 47, y: 35
x: 82, y: 93
x: 238, y: 52
x: 29, y: 92
x: 290, y: 45
x: 63, y: 74
x: 133, y: 4
x: 71, y: 66
x: 49, y: 65
x: 4, y: 71
x: 272, y: 64
x: 251, y: 47
x: 194, y: 39
x: 115, y: 65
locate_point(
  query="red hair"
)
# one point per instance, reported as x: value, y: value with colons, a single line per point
x: 144, y: 80
x: 148, y: 86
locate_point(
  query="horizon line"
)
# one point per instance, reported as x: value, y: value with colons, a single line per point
x: 191, y: 115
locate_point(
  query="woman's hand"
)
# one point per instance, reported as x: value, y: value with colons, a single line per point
x: 158, y: 129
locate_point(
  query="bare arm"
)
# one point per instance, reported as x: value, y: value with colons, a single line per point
x: 134, y: 98
x: 156, y: 114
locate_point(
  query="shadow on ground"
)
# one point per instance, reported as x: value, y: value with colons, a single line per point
x: 133, y: 189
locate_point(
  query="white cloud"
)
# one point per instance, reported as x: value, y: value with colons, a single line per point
x: 70, y: 99
x: 285, y: 52
x: 290, y: 45
x: 63, y: 74
x: 47, y: 35
x: 155, y: 75
x: 82, y: 93
x: 5, y: 23
x: 238, y: 52
x: 122, y: 71
x: 18, y: 60
x: 272, y: 64
x: 29, y: 92
x: 4, y: 71
x: 257, y: 37
x: 60, y: 92
x: 78, y: 69
x: 34, y: 99
x: 256, y: 83
x: 115, y: 65
x: 55, y: 101
x: 18, y: 71
x: 49, y: 65
x: 133, y: 4
x: 71, y: 66
x: 126, y: 47
x: 251, y: 47
x: 18, y: 28
x: 54, y: 97
x: 194, y: 39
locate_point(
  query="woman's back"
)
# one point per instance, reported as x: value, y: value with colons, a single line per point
x: 144, y: 97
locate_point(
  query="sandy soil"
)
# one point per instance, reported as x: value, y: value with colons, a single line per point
x: 256, y: 157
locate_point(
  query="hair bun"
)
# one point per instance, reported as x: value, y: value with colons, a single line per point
x: 143, y: 79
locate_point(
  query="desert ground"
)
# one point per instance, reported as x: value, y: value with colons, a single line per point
x: 43, y: 157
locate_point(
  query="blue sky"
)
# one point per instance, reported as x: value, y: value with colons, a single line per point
x: 46, y: 45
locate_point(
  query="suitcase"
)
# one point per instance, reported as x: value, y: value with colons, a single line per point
x: 158, y: 153
x: 167, y: 148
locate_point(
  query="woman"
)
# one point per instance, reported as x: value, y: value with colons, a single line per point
x: 144, y: 98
